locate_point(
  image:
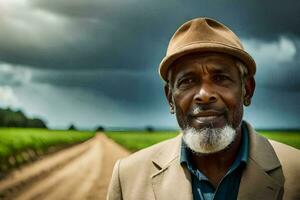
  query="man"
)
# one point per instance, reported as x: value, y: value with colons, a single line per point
x: 209, y: 78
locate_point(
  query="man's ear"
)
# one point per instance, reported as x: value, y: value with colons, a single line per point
x: 168, y: 93
x: 249, y: 90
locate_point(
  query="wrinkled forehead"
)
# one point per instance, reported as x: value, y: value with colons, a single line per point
x: 216, y: 62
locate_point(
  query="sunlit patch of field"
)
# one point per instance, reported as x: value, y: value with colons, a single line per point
x: 286, y: 137
x: 19, y: 145
x: 135, y: 140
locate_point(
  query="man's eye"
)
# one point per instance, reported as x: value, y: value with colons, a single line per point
x: 221, y: 78
x: 186, y: 81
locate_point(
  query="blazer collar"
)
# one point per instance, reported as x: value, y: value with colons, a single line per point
x: 171, y: 181
x: 263, y: 177
x: 169, y: 152
x: 261, y: 151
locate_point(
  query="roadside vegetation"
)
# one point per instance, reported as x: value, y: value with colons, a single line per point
x: 291, y: 138
x: 134, y: 140
x: 21, y: 145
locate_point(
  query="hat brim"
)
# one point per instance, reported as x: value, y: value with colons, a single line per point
x: 206, y: 47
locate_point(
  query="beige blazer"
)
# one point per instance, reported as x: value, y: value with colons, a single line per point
x: 272, y: 172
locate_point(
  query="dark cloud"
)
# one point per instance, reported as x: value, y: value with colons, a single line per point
x: 274, y: 108
x: 130, y: 34
x: 255, y: 18
x: 107, y: 52
x: 136, y: 89
x: 13, y: 75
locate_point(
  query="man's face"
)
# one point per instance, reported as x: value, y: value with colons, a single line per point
x: 206, y: 91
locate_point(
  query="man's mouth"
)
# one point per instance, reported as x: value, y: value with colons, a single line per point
x: 213, y: 118
x: 207, y: 119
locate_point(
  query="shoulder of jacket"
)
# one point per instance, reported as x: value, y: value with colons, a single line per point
x: 287, y: 155
x: 289, y: 158
x: 147, y: 154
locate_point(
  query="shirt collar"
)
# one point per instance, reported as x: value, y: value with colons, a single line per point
x: 244, y: 149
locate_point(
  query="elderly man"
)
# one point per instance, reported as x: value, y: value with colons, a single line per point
x: 209, y: 78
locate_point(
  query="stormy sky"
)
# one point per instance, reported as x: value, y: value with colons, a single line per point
x: 94, y: 62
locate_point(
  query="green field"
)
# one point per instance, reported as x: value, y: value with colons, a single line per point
x: 289, y: 138
x: 134, y: 140
x: 16, y: 143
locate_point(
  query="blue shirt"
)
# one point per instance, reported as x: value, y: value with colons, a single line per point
x: 229, y: 185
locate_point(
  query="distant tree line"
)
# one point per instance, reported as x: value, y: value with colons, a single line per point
x: 9, y: 118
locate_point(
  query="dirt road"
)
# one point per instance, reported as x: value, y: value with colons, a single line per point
x: 79, y: 172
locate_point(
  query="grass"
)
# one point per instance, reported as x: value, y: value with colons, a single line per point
x: 16, y: 140
x: 289, y: 138
x: 135, y: 140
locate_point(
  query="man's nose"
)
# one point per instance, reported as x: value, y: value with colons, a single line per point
x: 205, y: 95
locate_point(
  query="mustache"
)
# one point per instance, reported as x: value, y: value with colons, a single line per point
x: 197, y: 109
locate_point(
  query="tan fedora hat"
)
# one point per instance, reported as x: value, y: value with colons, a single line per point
x: 204, y: 35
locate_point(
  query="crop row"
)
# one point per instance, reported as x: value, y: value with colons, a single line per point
x: 135, y: 140
x: 21, y: 145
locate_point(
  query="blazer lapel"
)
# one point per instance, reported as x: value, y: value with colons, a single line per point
x: 263, y: 177
x: 171, y: 180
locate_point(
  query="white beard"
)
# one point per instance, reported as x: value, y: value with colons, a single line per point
x: 208, y: 140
